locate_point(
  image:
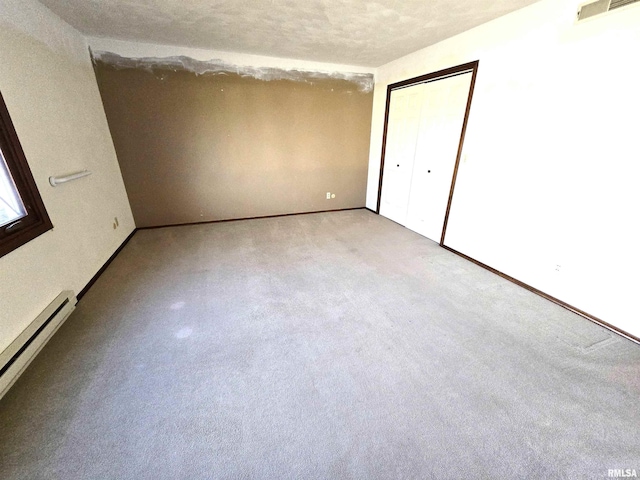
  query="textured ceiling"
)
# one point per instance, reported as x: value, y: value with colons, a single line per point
x: 353, y: 32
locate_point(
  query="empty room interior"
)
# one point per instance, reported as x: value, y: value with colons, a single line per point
x: 321, y: 239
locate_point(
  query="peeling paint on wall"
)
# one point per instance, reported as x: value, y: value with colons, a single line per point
x: 364, y: 81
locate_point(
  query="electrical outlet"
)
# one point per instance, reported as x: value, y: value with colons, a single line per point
x: 328, y: 195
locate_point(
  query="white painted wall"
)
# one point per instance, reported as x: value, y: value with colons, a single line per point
x: 551, y: 162
x: 49, y: 87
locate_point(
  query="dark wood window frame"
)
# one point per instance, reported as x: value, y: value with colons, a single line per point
x: 36, y: 221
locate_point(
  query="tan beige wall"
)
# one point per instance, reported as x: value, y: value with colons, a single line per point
x: 209, y: 147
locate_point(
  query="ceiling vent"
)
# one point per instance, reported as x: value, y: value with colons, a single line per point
x: 602, y: 6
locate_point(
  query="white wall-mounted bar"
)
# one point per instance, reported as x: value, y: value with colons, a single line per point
x: 55, y: 181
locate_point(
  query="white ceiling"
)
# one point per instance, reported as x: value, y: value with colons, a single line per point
x: 352, y: 32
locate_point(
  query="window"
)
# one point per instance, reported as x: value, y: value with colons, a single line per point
x: 22, y: 213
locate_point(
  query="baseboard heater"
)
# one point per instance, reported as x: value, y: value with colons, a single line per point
x: 17, y: 356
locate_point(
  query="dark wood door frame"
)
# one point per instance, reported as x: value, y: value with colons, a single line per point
x: 471, y: 67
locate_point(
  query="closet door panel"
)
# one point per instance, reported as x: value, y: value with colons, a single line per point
x: 435, y: 153
x: 402, y: 134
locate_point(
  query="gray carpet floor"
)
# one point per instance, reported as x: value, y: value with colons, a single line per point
x: 335, y: 345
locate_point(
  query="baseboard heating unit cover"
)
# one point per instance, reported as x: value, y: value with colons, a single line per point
x: 19, y: 354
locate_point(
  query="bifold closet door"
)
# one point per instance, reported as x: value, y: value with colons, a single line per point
x: 423, y: 135
x: 402, y: 134
x: 438, y: 139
